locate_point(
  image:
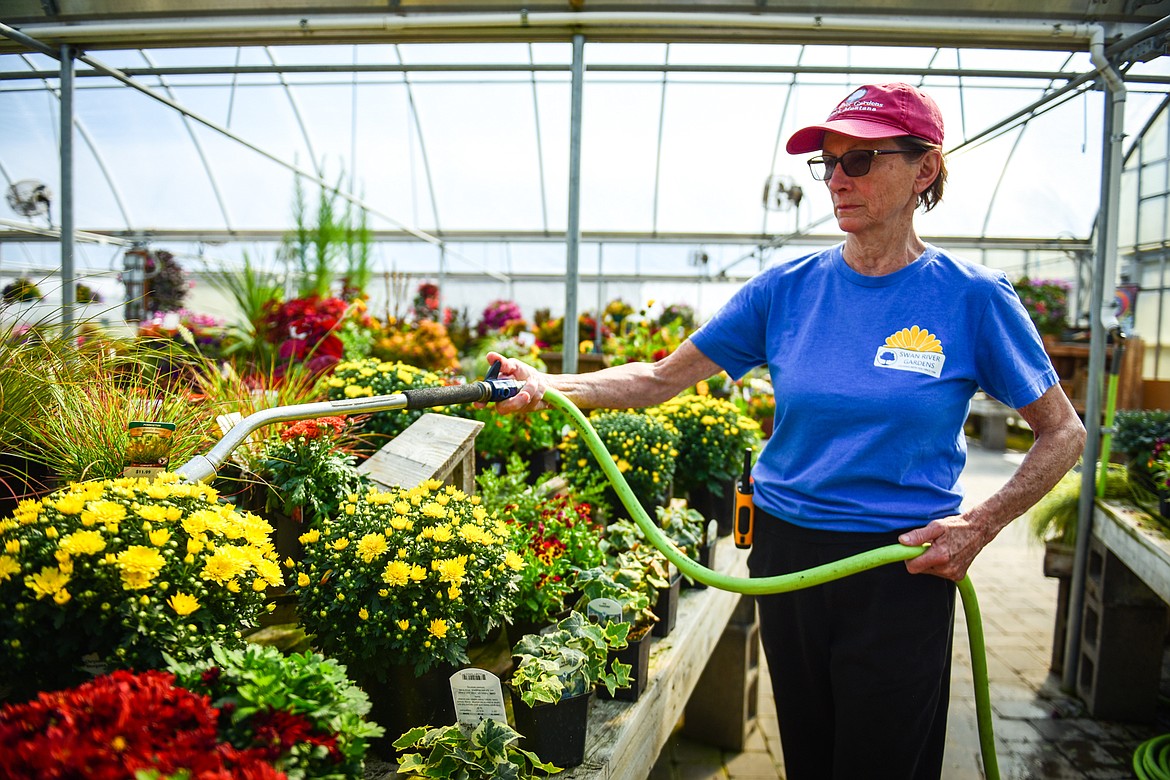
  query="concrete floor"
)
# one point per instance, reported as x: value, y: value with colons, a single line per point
x: 1040, y: 732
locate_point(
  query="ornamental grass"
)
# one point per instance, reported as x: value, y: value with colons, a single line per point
x: 116, y: 573
x: 406, y: 577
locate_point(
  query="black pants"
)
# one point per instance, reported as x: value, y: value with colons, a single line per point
x: 860, y: 666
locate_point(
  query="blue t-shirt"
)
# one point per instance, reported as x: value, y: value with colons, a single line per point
x: 873, y: 378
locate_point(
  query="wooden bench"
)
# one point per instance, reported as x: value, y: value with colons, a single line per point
x: 991, y: 421
x: 435, y: 446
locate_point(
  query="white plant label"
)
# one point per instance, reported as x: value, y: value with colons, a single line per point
x: 478, y: 696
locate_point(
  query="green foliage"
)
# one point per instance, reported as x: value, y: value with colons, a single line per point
x: 489, y: 752
x: 686, y: 527
x: 249, y: 683
x: 606, y: 582
x: 1136, y: 431
x: 554, y: 534
x: 569, y: 661
x: 515, y: 433
x: 1055, y: 517
x: 251, y: 288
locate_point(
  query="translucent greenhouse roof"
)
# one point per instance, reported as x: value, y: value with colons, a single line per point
x: 467, y: 142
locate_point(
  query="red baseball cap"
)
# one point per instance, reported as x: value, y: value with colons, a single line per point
x: 875, y: 111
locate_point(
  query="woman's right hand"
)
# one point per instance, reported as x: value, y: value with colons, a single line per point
x: 530, y: 397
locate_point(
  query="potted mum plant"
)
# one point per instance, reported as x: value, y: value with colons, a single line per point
x: 553, y: 681
x: 397, y: 584
x: 487, y: 752
x: 126, y: 724
x: 302, y: 709
x: 116, y: 573
x: 644, y: 448
x: 712, y: 437
x: 372, y: 377
x: 634, y: 603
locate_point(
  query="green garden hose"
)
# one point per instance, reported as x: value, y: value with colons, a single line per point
x: 759, y: 586
x: 1151, y: 760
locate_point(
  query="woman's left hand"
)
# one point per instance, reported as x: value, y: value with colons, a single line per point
x: 954, y: 542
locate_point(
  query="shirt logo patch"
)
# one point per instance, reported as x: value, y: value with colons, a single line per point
x: 912, y: 349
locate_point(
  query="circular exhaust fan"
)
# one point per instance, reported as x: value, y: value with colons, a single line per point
x: 30, y: 198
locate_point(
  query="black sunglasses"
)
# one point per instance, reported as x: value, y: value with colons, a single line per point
x: 855, y: 163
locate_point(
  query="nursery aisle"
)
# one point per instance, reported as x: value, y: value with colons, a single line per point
x: 1040, y: 733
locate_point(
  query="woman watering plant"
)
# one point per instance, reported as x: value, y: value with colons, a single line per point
x: 875, y: 348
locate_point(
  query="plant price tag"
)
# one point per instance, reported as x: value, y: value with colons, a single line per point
x: 148, y: 450
x: 604, y: 611
x: 478, y: 696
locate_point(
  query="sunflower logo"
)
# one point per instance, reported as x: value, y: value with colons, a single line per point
x: 915, y: 339
x: 913, y: 349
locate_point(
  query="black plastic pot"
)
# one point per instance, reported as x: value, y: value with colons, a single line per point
x: 666, y: 607
x: 715, y: 507
x: 554, y: 732
x: 403, y: 701
x: 637, y: 655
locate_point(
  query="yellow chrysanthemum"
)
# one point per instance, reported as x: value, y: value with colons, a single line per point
x: 452, y: 570
x: 513, y: 561
x: 396, y: 573
x: 159, y: 537
x: 371, y: 546
x: 139, y: 565
x: 155, y: 513
x: 309, y: 537
x: 364, y: 613
x: 82, y: 543
x: 47, y: 582
x: 303, y: 580
x: 183, y: 604
x: 103, y: 513
x: 438, y: 628
x: 403, y: 624
x: 224, y: 565
x: 69, y: 504
x: 8, y: 567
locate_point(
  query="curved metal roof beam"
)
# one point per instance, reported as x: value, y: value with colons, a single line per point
x: 199, y: 150
x: 1008, y: 160
x: 117, y: 74
x: 83, y: 131
x: 422, y: 146
x: 318, y: 165
x: 780, y: 128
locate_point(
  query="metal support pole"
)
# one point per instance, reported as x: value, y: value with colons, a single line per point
x: 1102, y: 321
x: 573, y: 230
x: 68, y: 290
x: 597, y: 325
